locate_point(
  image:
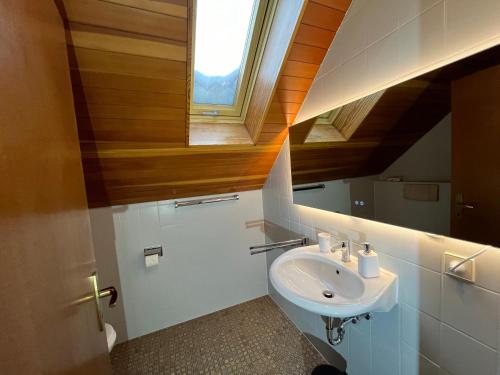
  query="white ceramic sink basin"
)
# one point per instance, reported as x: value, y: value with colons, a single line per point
x: 303, y: 275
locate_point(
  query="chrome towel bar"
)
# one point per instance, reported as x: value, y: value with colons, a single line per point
x: 196, y: 202
x: 278, y: 245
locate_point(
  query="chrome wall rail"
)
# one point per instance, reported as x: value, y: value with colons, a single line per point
x: 196, y: 202
x: 278, y: 245
x: 309, y: 187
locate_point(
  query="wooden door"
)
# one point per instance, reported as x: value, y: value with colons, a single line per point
x: 46, y: 254
x: 476, y: 157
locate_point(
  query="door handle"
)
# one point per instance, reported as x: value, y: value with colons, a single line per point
x: 109, y: 291
x: 461, y: 205
x: 97, y: 295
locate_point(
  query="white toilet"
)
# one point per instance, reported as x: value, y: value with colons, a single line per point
x: 110, y: 335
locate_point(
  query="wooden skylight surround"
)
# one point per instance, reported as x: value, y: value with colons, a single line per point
x: 277, y: 31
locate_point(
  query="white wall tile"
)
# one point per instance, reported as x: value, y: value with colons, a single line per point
x: 390, y: 263
x: 414, y: 363
x: 409, y: 9
x: 206, y: 260
x: 421, y: 288
x: 382, y: 60
x: 472, y: 310
x: 359, y: 352
x: 421, y: 332
x: 462, y: 355
x: 149, y: 226
x: 379, y: 20
x: 323, y: 86
x: 468, y: 24
x: 385, y: 342
x: 351, y: 78
x: 167, y: 213
x: 421, y: 41
x: 429, y: 251
x: 348, y: 45
x: 428, y: 33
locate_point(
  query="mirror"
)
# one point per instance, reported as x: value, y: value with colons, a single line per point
x: 424, y: 154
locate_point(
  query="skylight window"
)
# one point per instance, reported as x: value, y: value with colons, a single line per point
x: 328, y: 118
x: 225, y: 48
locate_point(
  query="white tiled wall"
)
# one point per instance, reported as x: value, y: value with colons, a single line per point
x: 440, y: 326
x: 206, y: 264
x: 384, y: 42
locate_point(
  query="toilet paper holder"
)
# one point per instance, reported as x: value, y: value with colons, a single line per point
x: 153, y: 250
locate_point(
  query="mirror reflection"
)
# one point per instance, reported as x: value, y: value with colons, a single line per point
x: 424, y: 154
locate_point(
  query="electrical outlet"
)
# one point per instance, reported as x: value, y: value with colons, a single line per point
x: 465, y: 272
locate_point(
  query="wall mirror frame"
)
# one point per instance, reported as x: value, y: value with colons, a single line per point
x: 423, y: 154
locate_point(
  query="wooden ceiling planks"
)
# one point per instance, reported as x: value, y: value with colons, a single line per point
x: 123, y: 16
x: 151, y: 172
x: 129, y: 63
x: 130, y: 66
x: 320, y: 21
x: 337, y: 160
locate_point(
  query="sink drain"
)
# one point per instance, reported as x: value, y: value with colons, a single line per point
x: 328, y: 294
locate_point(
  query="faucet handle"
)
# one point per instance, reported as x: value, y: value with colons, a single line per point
x: 346, y: 251
x: 367, y: 247
x: 338, y: 246
x: 343, y: 246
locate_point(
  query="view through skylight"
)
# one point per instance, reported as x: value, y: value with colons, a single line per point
x: 222, y: 34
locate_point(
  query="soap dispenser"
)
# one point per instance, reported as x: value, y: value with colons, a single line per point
x: 368, y: 265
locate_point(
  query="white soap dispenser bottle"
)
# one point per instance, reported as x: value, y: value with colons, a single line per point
x: 368, y: 265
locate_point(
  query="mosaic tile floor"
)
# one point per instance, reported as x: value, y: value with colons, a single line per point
x: 252, y: 338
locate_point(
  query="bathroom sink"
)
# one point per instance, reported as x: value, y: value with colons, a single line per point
x: 323, y: 284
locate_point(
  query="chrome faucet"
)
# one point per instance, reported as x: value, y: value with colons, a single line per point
x: 345, y: 247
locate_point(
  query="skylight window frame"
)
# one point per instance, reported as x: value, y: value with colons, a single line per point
x: 328, y: 118
x: 258, y: 30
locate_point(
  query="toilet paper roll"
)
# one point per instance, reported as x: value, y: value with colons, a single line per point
x: 151, y: 260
